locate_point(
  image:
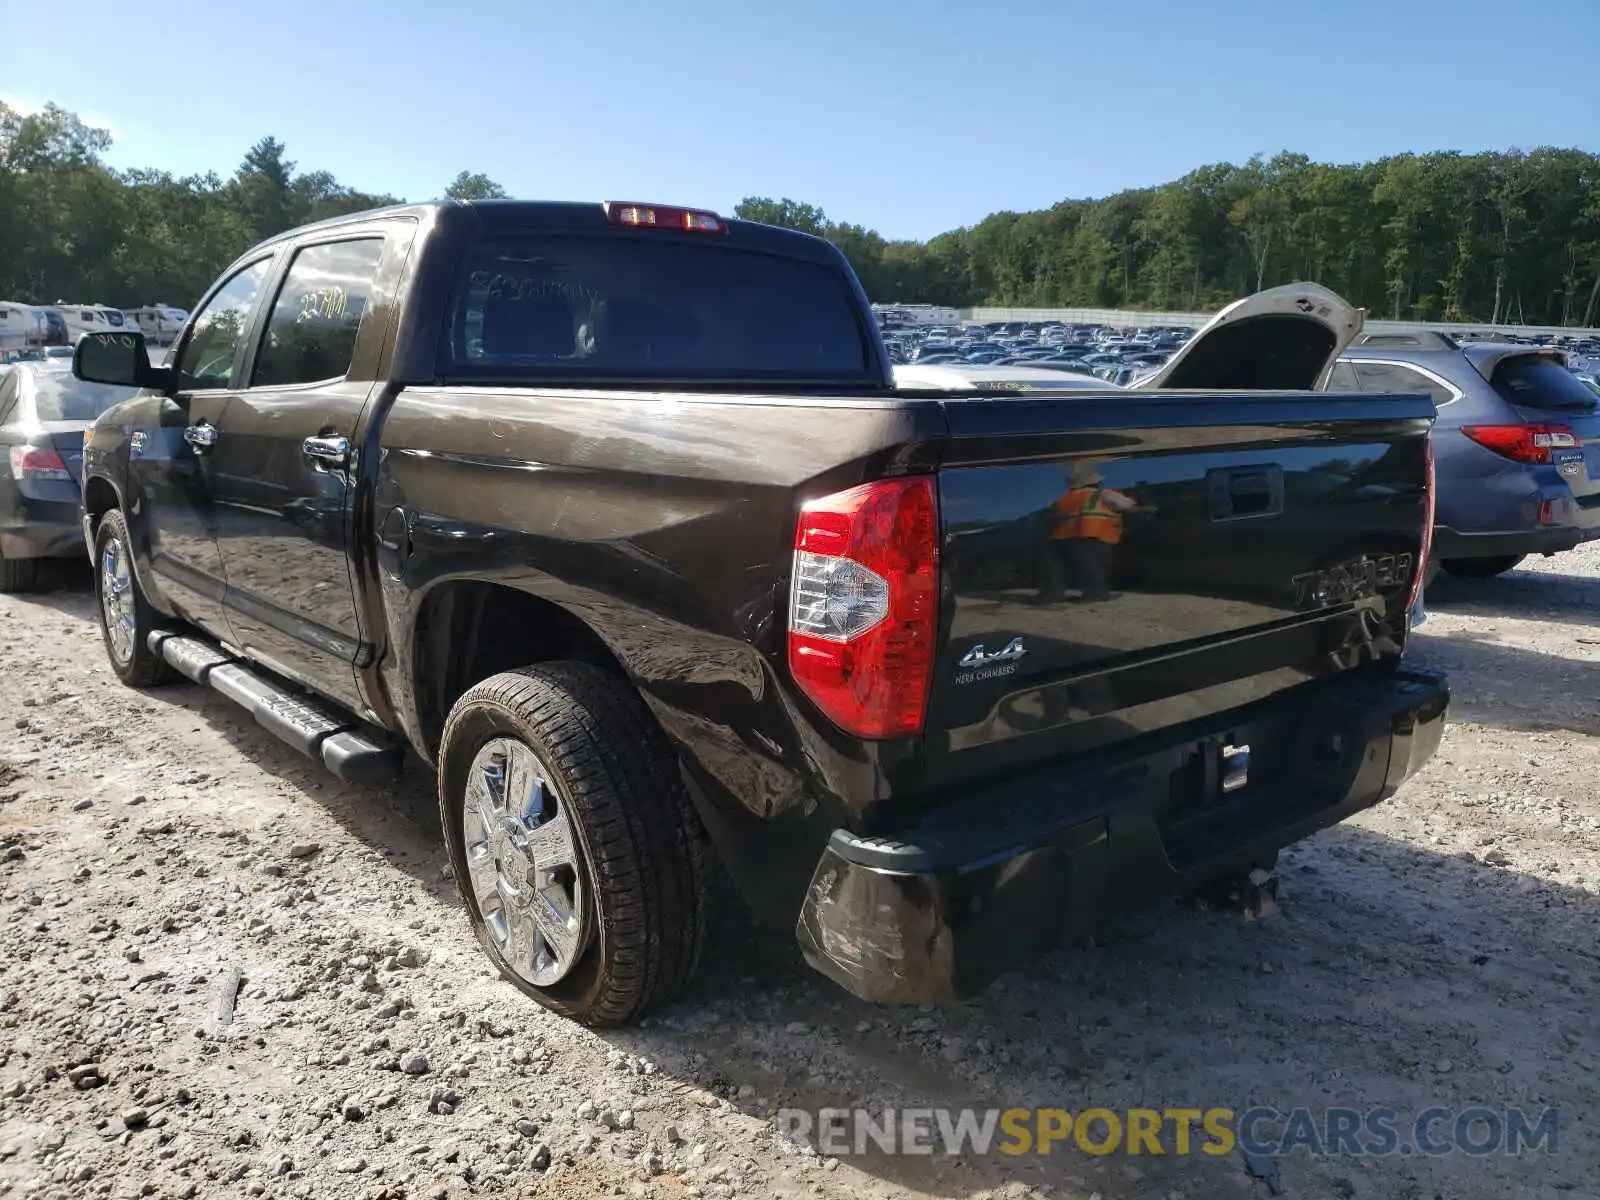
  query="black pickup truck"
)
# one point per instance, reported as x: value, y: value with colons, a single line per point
x: 613, y: 515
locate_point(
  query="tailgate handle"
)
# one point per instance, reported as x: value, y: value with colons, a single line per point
x: 1239, y: 493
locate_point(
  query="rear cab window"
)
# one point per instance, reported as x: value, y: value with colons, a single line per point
x: 622, y: 306
x: 1532, y: 381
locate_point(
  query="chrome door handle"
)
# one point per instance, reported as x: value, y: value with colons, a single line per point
x: 201, y: 437
x: 329, y: 451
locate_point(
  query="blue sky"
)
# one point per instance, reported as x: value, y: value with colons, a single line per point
x: 910, y: 118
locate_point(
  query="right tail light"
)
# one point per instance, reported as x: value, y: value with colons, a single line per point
x: 1425, y: 552
x: 1523, y: 443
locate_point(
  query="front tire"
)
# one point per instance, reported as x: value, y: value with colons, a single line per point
x: 577, y: 852
x: 1482, y: 568
x: 126, y: 617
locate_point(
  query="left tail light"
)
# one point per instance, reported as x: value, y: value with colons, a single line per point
x: 34, y: 462
x: 863, y: 605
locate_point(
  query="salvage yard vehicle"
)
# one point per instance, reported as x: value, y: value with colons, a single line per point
x: 43, y: 414
x: 613, y: 514
x: 1517, y: 443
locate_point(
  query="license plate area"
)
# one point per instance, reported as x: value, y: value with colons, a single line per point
x: 1259, y: 773
x: 1213, y: 770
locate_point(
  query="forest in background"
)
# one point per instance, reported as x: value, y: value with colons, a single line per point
x: 1503, y: 236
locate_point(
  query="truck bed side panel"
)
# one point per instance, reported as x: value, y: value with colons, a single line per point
x: 665, y: 522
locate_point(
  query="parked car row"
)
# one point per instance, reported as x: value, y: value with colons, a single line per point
x: 1516, y: 443
x: 1116, y: 355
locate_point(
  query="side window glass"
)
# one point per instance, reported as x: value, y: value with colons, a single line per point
x: 311, y: 335
x: 8, y: 396
x: 206, y: 361
x: 1387, y: 377
x: 1342, y: 379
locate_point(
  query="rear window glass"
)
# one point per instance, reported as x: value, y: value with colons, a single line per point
x: 58, y: 396
x: 1392, y: 377
x: 634, y: 308
x: 1533, y: 382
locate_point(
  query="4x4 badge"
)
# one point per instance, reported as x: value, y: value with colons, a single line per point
x: 977, y: 657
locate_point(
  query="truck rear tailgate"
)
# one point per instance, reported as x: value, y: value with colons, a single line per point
x: 1116, y: 563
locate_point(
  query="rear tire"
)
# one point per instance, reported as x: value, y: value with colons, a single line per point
x: 1482, y: 568
x: 18, y: 574
x: 126, y: 617
x: 616, y: 928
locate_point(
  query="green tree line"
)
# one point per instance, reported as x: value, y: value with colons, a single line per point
x: 74, y: 229
x: 1502, y: 236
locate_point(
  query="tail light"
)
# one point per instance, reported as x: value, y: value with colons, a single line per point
x: 32, y: 462
x: 863, y: 605
x: 1523, y: 443
x: 661, y: 216
x: 1429, y: 508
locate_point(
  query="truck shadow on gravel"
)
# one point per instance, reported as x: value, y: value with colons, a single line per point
x: 1513, y: 687
x: 1518, y: 594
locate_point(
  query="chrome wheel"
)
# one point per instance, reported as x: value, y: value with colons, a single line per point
x: 116, y: 600
x: 523, y: 863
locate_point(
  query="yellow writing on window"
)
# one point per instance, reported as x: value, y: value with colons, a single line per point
x: 324, y: 304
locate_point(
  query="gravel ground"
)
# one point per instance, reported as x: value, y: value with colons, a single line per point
x: 224, y: 974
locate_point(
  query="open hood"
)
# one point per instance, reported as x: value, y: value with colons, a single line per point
x: 1283, y: 338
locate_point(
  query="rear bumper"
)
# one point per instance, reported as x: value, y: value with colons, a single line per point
x: 42, y: 529
x: 1451, y: 543
x: 1520, y: 509
x: 941, y: 909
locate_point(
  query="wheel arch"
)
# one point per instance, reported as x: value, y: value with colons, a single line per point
x: 100, y: 496
x: 466, y: 630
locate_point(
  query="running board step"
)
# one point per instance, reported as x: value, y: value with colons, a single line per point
x: 338, y: 742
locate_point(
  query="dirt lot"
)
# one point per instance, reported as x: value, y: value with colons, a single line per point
x: 1439, y: 951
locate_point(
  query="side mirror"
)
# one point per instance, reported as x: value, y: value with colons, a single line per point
x: 118, y: 358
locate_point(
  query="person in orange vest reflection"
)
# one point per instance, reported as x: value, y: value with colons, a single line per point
x: 1088, y: 528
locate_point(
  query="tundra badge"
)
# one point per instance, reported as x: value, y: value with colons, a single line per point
x: 1350, y: 581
